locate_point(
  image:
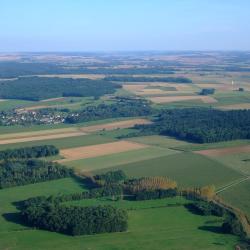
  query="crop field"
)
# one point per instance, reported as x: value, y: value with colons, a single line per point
x: 99, y: 150
x: 187, y: 169
x: 238, y: 196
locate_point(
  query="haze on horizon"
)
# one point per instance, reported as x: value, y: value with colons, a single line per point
x: 125, y: 25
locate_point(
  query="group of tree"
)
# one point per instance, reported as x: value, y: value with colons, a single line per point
x: 124, y: 107
x: 201, y: 125
x: 21, y: 172
x: 209, y: 91
x: 38, y: 88
x: 149, y: 183
x: 29, y: 152
x: 75, y: 220
x: 148, y: 79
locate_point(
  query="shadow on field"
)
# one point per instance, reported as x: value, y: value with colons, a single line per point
x: 213, y: 229
x: 15, y: 218
x: 193, y: 209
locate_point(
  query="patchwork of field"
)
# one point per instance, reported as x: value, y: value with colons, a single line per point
x: 114, y: 160
x: 40, y: 135
x: 99, y: 150
x: 169, y: 99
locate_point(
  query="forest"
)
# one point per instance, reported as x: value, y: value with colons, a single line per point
x: 148, y: 79
x: 22, y: 172
x: 29, y: 152
x: 200, y: 125
x: 16, y: 69
x: 124, y: 107
x: 39, y: 88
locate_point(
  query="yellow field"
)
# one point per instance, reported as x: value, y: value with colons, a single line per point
x: 99, y: 150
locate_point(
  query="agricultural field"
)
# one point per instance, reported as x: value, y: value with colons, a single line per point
x: 104, y: 139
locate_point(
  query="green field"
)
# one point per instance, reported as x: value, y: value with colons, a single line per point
x: 238, y: 196
x: 187, y: 169
x: 153, y: 224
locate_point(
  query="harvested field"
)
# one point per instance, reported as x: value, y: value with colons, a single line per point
x: 38, y: 133
x: 115, y: 125
x: 41, y: 137
x: 224, y: 151
x: 169, y: 99
x: 235, y: 106
x: 99, y: 150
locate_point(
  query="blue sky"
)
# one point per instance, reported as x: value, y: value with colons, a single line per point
x: 93, y: 25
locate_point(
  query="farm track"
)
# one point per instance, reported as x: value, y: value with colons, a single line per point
x: 232, y: 184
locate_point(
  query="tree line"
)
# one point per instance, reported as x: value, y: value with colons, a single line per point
x: 29, y: 152
x: 27, y: 171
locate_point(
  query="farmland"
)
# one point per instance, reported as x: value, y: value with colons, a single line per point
x: 95, y: 134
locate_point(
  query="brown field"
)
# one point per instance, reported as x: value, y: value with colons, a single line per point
x: 48, y: 106
x: 40, y: 138
x: 38, y: 133
x: 76, y: 76
x: 216, y: 86
x: 224, y: 151
x: 169, y: 99
x: 115, y: 125
x: 99, y: 150
x: 235, y: 106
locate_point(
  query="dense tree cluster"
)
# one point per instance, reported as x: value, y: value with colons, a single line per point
x: 148, y: 79
x: 21, y: 172
x: 110, y: 177
x: 29, y: 152
x: 201, y: 125
x: 124, y: 107
x: 74, y: 220
x: 209, y: 91
x: 38, y: 88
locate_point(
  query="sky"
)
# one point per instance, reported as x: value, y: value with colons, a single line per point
x: 124, y: 25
